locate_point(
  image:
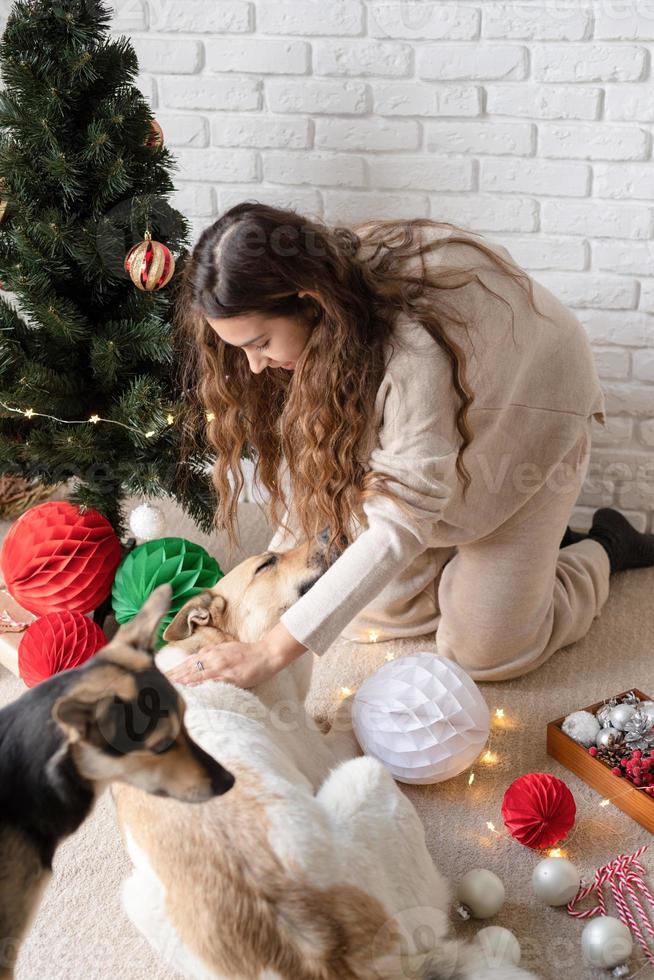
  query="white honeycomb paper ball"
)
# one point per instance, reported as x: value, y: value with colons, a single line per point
x: 422, y: 716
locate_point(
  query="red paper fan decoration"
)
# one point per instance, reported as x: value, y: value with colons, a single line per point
x: 56, y: 558
x: 57, y: 642
x: 538, y: 809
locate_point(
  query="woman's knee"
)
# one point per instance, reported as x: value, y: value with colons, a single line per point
x: 484, y: 649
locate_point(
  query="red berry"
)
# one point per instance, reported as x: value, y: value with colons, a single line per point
x: 616, y: 771
x: 592, y: 750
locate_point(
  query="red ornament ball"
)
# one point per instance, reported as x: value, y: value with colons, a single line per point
x: 56, y: 558
x: 57, y: 642
x: 155, y: 137
x: 538, y: 809
x: 150, y: 265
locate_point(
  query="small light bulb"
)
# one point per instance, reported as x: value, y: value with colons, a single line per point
x: 555, y: 852
x: 471, y: 779
x: 604, y: 802
x: 345, y: 692
x: 390, y: 656
x: 94, y: 418
x: 170, y: 419
x: 373, y: 634
x: 491, y: 826
x: 210, y: 416
x: 499, y: 712
x: 148, y: 435
x: 29, y: 412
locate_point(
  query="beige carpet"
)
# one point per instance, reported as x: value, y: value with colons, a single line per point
x: 82, y: 934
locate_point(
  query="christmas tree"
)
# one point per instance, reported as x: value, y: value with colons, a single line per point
x: 88, y: 380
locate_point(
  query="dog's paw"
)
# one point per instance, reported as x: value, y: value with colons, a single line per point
x: 322, y: 723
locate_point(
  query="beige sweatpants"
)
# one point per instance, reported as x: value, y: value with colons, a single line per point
x: 510, y: 600
x: 503, y: 602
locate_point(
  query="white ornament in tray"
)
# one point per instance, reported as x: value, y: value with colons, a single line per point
x: 422, y: 716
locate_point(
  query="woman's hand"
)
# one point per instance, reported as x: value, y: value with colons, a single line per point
x: 243, y: 664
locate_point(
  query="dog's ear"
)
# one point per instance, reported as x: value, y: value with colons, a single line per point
x: 204, y: 609
x: 141, y: 631
x: 75, y: 714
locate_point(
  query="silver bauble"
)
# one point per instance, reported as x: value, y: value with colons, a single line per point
x: 620, y: 715
x: 606, y: 942
x: 556, y: 881
x: 648, y: 708
x: 607, y: 737
x: 480, y: 894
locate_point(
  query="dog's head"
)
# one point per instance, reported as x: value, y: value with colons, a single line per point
x: 124, y: 721
x: 248, y: 601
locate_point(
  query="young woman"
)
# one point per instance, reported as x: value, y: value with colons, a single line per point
x: 408, y: 386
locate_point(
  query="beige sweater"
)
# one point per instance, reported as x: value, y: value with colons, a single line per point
x: 532, y: 399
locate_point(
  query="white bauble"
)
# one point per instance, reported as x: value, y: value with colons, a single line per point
x: 556, y: 881
x: 606, y: 942
x: 582, y: 726
x: 147, y: 522
x: 480, y: 893
x: 422, y: 716
x: 620, y: 715
x: 647, y: 707
x: 499, y: 946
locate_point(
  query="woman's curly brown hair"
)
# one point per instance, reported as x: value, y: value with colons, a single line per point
x: 254, y: 260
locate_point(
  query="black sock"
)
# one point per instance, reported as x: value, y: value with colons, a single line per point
x: 625, y: 546
x: 570, y: 537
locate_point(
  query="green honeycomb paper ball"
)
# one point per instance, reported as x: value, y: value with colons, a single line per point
x: 186, y: 566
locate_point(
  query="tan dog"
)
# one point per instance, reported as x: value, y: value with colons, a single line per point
x: 314, y: 866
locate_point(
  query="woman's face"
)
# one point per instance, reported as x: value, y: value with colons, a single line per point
x: 275, y: 343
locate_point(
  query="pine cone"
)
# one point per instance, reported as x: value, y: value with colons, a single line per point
x: 639, y: 732
x: 612, y: 757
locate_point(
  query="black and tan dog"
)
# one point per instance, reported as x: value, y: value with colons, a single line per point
x: 115, y: 719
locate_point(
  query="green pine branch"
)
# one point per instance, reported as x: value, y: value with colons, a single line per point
x: 82, y: 341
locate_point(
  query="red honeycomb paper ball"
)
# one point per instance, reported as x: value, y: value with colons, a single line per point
x: 538, y: 809
x: 57, y: 642
x: 56, y: 558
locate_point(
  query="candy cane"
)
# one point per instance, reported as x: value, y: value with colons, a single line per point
x: 624, y: 874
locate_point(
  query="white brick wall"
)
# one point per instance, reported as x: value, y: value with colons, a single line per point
x: 531, y: 122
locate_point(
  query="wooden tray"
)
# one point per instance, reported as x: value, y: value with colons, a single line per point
x: 575, y: 757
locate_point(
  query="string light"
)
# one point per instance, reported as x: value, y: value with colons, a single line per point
x: 632, y: 789
x: 93, y: 420
x: 489, y: 758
